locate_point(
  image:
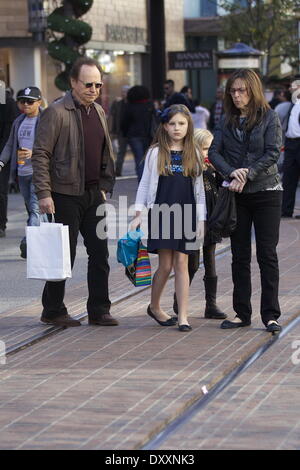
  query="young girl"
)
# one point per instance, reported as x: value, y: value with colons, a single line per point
x: 172, y: 188
x: 203, y: 140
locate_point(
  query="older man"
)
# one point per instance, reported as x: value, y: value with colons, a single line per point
x: 73, y: 170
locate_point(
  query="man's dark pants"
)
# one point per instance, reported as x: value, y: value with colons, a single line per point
x: 291, y: 173
x: 4, y: 178
x: 263, y: 209
x: 79, y: 213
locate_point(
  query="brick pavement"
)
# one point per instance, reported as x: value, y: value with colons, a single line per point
x: 113, y: 388
x: 259, y: 410
x: 17, y: 325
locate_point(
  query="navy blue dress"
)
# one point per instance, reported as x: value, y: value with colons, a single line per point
x: 176, y: 229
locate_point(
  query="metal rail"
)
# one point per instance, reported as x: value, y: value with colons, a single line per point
x: 209, y: 395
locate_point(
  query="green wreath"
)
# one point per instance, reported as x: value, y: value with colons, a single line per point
x: 76, y: 33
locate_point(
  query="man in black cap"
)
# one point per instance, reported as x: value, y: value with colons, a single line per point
x: 18, y: 150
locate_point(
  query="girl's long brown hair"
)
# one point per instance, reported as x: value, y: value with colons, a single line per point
x: 257, y: 105
x: 190, y: 160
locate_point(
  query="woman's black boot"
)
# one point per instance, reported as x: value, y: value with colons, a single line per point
x: 211, y: 309
x: 175, y: 305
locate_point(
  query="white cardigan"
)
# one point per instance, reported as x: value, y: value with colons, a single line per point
x: 147, y: 189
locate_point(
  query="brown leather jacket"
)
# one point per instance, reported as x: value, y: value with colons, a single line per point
x: 58, y: 151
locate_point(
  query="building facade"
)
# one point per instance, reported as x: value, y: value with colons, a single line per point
x: 203, y: 31
x: 120, y: 41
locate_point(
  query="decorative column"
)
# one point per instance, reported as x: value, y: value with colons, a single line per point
x: 156, y: 15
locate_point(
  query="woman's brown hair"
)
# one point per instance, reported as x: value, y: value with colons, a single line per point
x: 190, y: 160
x: 257, y: 105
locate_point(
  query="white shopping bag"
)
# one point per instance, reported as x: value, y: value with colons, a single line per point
x: 48, y: 252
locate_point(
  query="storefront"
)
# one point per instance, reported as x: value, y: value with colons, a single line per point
x: 121, y: 57
x: 120, y: 41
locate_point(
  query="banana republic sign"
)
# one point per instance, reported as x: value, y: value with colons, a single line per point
x: 189, y: 60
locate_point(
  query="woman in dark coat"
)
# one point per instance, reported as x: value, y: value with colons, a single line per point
x: 245, y: 151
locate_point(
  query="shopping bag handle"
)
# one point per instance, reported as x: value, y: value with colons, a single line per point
x: 52, y: 218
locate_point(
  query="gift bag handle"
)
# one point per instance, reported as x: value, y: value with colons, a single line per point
x: 52, y: 221
x: 49, y: 219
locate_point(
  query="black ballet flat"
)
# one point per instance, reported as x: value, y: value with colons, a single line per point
x: 227, y: 324
x: 184, y: 327
x: 273, y: 327
x: 169, y: 322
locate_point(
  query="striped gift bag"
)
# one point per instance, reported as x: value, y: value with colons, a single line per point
x: 139, y: 272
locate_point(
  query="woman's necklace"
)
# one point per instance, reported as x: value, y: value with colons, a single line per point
x: 176, y: 148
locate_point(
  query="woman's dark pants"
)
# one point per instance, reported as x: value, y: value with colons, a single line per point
x: 263, y: 210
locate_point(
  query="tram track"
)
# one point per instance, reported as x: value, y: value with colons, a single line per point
x: 208, y: 393
x: 213, y: 390
x: 19, y: 346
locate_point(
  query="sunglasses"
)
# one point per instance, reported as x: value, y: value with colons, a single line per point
x: 90, y: 84
x: 26, y: 100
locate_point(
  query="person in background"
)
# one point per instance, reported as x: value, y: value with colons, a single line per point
x: 73, y: 169
x: 115, y: 120
x: 200, y: 116
x: 217, y: 110
x: 8, y: 113
x: 291, y: 162
x: 173, y: 97
x: 278, y: 97
x: 188, y: 94
x: 136, y: 123
x: 245, y: 151
x: 283, y: 110
x: 18, y: 152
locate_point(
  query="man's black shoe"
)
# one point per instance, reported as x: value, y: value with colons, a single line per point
x: 286, y: 216
x: 227, y: 324
x: 23, y: 249
x: 2, y: 233
x: 62, y: 320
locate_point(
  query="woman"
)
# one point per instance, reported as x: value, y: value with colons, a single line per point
x: 245, y: 151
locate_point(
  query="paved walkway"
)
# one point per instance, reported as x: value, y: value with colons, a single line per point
x: 259, y: 410
x: 114, y: 388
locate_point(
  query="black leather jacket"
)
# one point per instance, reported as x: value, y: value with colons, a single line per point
x: 260, y: 155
